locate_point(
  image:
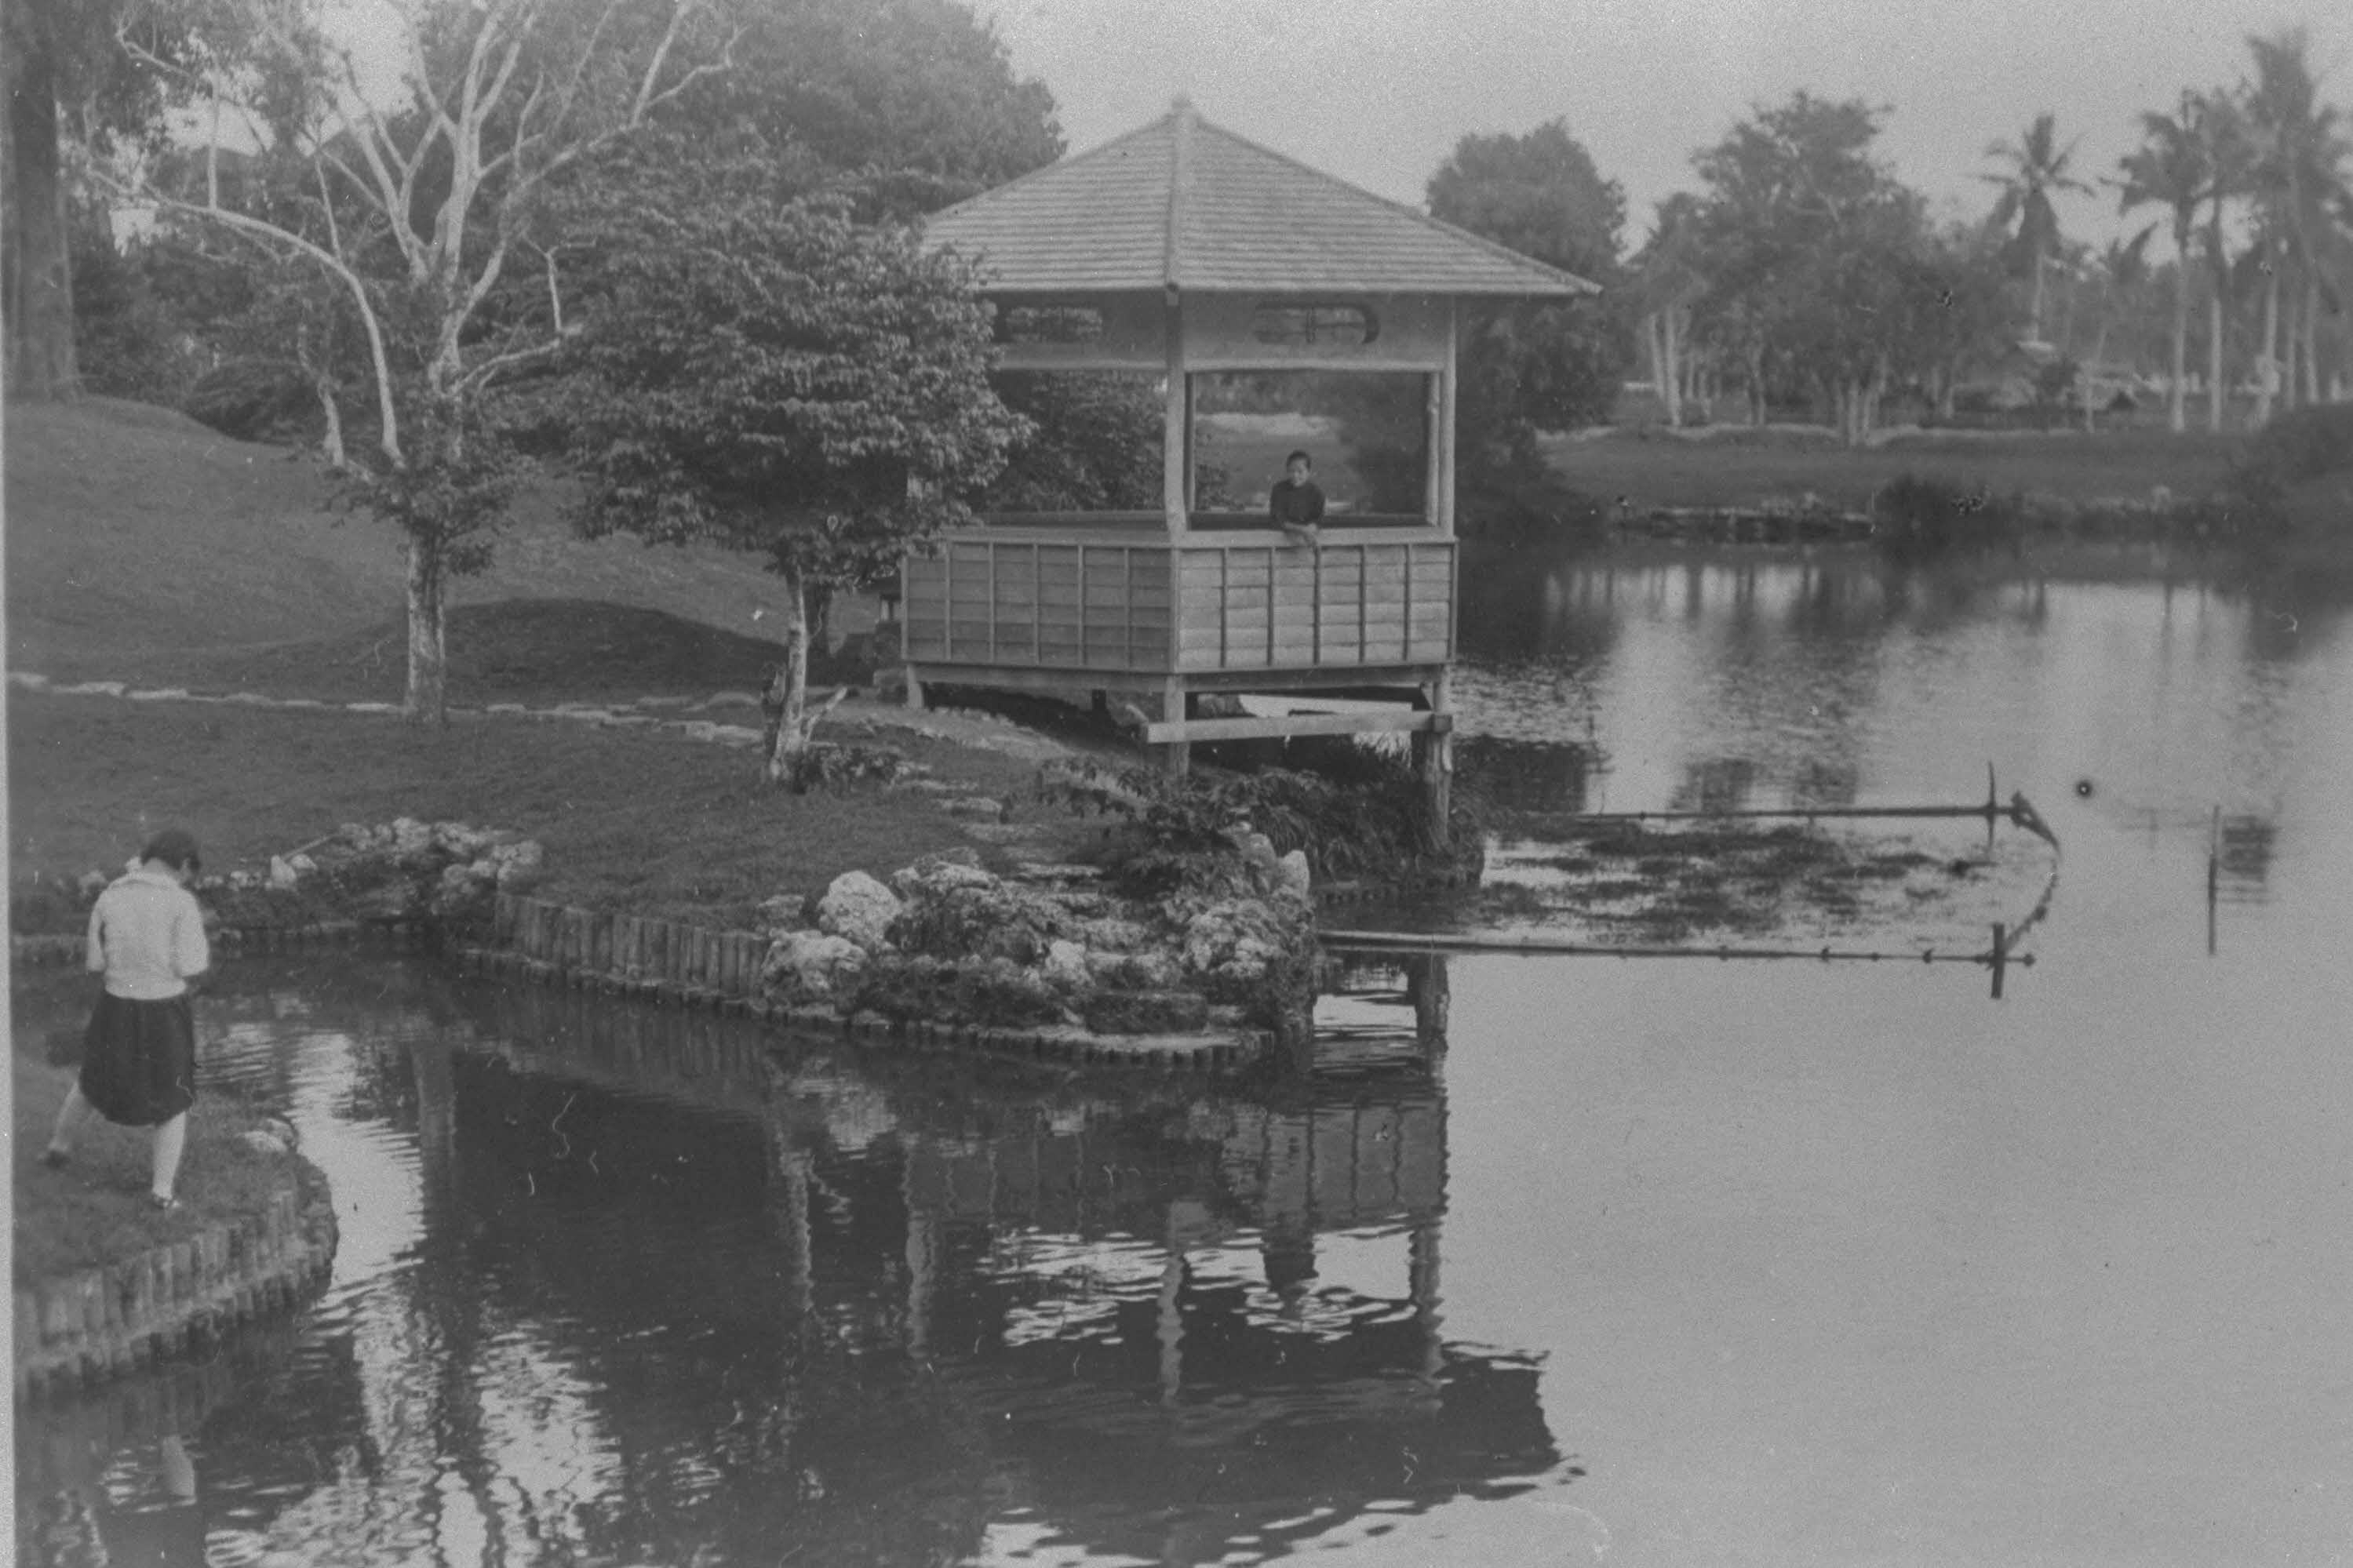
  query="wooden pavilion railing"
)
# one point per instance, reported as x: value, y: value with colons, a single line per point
x: 1111, y: 595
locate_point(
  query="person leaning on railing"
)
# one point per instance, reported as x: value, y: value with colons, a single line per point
x: 1296, y: 502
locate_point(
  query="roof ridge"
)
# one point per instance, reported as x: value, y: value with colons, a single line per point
x: 1058, y: 166
x: 1493, y: 248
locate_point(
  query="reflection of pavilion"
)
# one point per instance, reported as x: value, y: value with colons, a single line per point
x: 1113, y: 1284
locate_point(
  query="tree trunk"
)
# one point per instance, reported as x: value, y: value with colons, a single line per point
x: 2099, y: 352
x: 2267, y: 374
x: 1672, y: 336
x: 331, y: 443
x: 2291, y: 348
x: 2312, y: 335
x: 2214, y: 394
x: 789, y: 736
x: 2176, y: 411
x: 39, y: 271
x: 427, y: 699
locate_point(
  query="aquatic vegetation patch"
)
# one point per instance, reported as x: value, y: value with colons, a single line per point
x: 1617, y: 881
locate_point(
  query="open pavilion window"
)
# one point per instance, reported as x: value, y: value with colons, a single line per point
x: 1366, y: 432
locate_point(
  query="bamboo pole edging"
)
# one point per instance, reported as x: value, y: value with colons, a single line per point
x: 724, y: 972
x: 115, y: 1316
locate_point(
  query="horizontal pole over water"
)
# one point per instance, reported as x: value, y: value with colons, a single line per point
x: 1161, y: 731
x: 1538, y: 942
x: 2021, y: 812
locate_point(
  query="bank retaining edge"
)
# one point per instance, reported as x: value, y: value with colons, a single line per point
x: 676, y: 962
x: 80, y: 1329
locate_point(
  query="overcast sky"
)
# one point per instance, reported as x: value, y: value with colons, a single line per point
x: 1377, y: 91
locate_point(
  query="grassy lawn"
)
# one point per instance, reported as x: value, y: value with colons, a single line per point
x: 142, y: 547
x: 1740, y: 469
x: 94, y: 1210
x: 137, y: 536
x: 649, y: 822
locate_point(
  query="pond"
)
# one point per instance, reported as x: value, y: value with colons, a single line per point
x: 1552, y: 1259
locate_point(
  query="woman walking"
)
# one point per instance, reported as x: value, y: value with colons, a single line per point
x: 139, y: 1054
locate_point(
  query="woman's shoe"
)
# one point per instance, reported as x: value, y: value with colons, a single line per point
x: 162, y: 1202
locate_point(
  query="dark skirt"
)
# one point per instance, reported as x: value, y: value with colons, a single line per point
x: 139, y: 1060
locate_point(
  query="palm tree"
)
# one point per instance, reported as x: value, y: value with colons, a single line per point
x: 2222, y: 129
x: 2298, y: 171
x: 2171, y: 167
x: 2032, y: 167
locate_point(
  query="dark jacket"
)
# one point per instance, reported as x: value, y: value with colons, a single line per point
x: 1291, y: 504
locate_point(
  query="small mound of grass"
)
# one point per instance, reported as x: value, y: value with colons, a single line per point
x: 94, y: 1210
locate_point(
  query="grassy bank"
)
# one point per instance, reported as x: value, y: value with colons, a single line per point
x: 1735, y: 468
x: 142, y: 547
x: 644, y: 821
x: 93, y: 1209
x: 142, y: 544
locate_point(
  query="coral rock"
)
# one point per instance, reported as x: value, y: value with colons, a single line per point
x: 1066, y: 963
x: 809, y: 965
x: 858, y: 907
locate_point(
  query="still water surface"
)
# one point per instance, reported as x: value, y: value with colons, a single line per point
x: 1652, y: 1262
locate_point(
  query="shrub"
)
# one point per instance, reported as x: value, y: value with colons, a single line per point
x: 1365, y: 817
x: 1929, y: 514
x: 255, y: 400
x: 2305, y: 444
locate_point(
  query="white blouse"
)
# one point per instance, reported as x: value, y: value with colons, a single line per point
x: 147, y: 937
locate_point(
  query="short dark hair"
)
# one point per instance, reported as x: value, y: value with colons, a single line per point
x: 176, y: 848
x: 1299, y: 456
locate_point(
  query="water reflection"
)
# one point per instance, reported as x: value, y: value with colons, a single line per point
x: 1710, y: 678
x: 628, y: 1284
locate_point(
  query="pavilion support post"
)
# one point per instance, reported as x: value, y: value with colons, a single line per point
x: 1447, y: 379
x: 1433, y: 447
x: 1169, y: 1325
x: 1422, y: 1289
x: 1426, y: 983
x: 1176, y: 756
x: 1433, y: 761
x: 923, y: 1255
x: 1177, y: 435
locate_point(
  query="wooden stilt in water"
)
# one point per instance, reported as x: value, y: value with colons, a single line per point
x: 1433, y: 762
x: 1176, y: 756
x: 2213, y: 875
x: 2001, y: 957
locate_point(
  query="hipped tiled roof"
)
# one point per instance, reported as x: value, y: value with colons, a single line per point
x: 1183, y: 202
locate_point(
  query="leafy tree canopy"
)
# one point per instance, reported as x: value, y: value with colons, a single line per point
x: 1531, y: 367
x: 914, y: 102
x: 1538, y: 194
x: 774, y: 376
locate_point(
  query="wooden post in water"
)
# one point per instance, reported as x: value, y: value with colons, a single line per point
x: 1176, y: 756
x: 2001, y: 957
x: 2213, y: 875
x: 1433, y: 760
